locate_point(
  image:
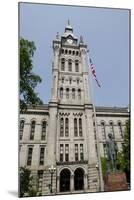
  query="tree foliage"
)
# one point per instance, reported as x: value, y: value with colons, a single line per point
x: 28, y: 80
x: 25, y: 183
x: 104, y: 166
x: 124, y: 155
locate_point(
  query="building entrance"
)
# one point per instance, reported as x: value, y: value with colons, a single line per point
x: 65, y: 180
x: 79, y: 179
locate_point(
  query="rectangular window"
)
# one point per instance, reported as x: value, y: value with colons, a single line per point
x: 21, y: 128
x: 42, y: 150
x: 75, y: 128
x: 43, y: 134
x: 61, y: 152
x: 61, y: 127
x: 76, y: 152
x: 81, y: 152
x: 80, y: 127
x: 103, y: 130
x: 32, y: 130
x: 66, y: 152
x: 77, y: 66
x: 62, y: 64
x: 112, y: 129
x: 29, y: 157
x: 66, y: 127
x: 120, y: 129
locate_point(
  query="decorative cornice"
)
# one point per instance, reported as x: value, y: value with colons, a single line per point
x: 72, y: 162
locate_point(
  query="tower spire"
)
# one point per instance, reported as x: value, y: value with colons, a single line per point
x: 68, y: 22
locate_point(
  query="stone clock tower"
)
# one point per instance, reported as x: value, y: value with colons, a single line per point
x: 71, y: 145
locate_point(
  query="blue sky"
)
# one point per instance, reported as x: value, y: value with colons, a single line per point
x: 105, y: 31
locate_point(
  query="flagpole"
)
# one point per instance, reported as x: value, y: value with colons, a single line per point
x: 96, y: 129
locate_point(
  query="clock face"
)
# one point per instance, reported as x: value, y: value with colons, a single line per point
x: 70, y: 41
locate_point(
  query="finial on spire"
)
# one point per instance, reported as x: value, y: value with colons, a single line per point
x: 81, y: 39
x: 57, y: 36
x: 68, y: 22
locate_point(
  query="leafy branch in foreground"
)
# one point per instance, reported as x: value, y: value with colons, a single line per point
x: 28, y: 80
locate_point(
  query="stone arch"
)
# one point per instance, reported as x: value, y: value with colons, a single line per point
x: 79, y: 178
x: 65, y: 176
x: 65, y: 168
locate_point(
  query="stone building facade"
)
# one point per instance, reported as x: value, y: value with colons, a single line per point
x: 59, y: 142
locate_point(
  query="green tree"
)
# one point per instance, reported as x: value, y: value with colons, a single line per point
x: 28, y: 80
x: 124, y: 155
x: 104, y: 166
x: 25, y: 183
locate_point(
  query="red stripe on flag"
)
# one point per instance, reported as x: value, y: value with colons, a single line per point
x: 94, y: 73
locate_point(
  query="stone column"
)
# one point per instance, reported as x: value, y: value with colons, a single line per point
x: 86, y: 86
x: 37, y: 134
x: 23, y: 155
x: 51, y: 137
x: 72, y: 183
x: 92, y: 155
x: 35, y: 156
x: 55, y: 66
x: 85, y: 182
x: 58, y: 184
x: 71, y: 135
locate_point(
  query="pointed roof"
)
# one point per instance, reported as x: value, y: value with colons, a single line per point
x: 69, y: 30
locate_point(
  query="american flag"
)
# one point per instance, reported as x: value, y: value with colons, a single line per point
x: 94, y: 72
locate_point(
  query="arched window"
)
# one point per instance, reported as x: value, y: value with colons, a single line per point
x: 29, y: 156
x: 81, y: 152
x: 61, y: 153
x: 120, y: 129
x: 103, y: 130
x: 73, y: 52
x: 79, y: 93
x: 80, y: 127
x: 77, y: 53
x: 43, y: 133
x: 62, y: 64
x: 32, y: 130
x: 21, y: 128
x: 66, y: 152
x: 67, y: 93
x: 42, y: 151
x: 70, y: 80
x: 77, y: 80
x: 76, y: 152
x: 75, y: 128
x: 66, y: 127
x: 66, y: 51
x: 112, y: 129
x: 69, y: 65
x: 61, y: 93
x: 62, y: 51
x: 62, y: 79
x: 77, y: 66
x: 70, y: 52
x: 61, y: 127
x: 73, y: 93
